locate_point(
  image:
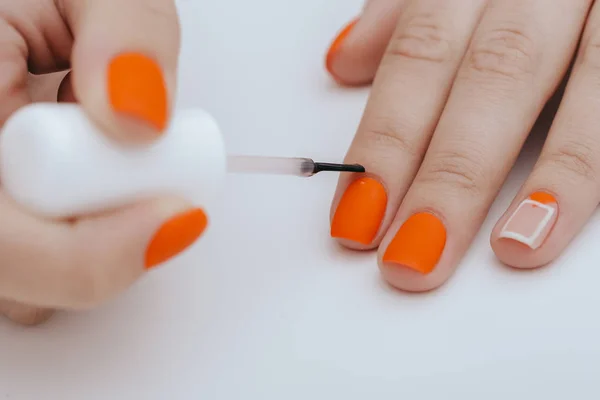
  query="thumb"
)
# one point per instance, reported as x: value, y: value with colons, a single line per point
x: 81, y: 264
x: 124, y: 63
x: 357, y: 50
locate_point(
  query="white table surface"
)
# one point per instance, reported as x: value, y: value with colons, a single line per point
x: 266, y: 306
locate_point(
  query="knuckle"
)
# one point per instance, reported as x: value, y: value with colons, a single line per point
x: 457, y: 170
x: 576, y: 159
x: 423, y: 38
x: 502, y: 53
x: 390, y: 134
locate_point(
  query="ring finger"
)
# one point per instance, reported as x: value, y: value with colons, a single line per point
x: 564, y: 187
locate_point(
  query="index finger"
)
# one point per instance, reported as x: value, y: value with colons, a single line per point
x: 124, y: 63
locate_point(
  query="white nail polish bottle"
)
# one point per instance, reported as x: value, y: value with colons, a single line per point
x: 56, y: 162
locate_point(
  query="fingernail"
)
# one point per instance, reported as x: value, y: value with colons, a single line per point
x: 360, y: 211
x: 175, y: 236
x: 136, y: 88
x: 418, y: 244
x: 337, y: 43
x: 532, y: 221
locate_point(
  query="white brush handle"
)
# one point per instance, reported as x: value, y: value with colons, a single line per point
x: 57, y: 163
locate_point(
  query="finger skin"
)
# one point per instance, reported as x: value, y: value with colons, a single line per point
x: 25, y: 46
x: 568, y: 170
x: 81, y: 264
x: 74, y: 265
x: 13, y: 64
x: 23, y: 314
x: 355, y: 53
x: 18, y: 55
x: 42, y: 88
x: 65, y: 93
x: 515, y: 62
x: 408, y: 95
x: 47, y: 39
x: 124, y: 63
x: 34, y: 40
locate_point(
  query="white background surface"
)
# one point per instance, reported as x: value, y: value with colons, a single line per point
x: 267, y: 307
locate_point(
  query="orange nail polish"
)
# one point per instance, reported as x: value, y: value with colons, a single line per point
x: 418, y: 244
x: 136, y: 88
x: 335, y: 45
x: 360, y: 211
x: 175, y: 236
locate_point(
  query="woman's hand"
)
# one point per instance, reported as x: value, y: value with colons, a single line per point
x: 122, y: 57
x: 457, y: 86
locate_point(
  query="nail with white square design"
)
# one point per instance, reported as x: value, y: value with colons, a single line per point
x: 532, y: 221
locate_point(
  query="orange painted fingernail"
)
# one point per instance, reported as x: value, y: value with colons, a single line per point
x: 532, y: 221
x: 175, y: 236
x: 418, y: 244
x: 336, y: 44
x: 136, y: 88
x: 360, y: 211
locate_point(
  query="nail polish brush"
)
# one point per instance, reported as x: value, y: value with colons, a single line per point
x: 303, y: 167
x: 56, y: 162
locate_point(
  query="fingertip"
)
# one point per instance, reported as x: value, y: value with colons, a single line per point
x: 126, y: 93
x: 125, y: 60
x: 359, y: 213
x: 347, y: 69
x: 175, y: 235
x: 355, y: 53
x: 25, y: 315
x: 408, y: 279
x: 516, y: 255
x: 128, y: 233
x: 523, y: 237
x: 334, y: 58
x: 354, y: 245
x: 338, y: 43
x: 345, y: 59
x: 115, y: 249
x: 137, y: 89
x: 136, y: 105
x: 178, y: 225
x: 413, y: 257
